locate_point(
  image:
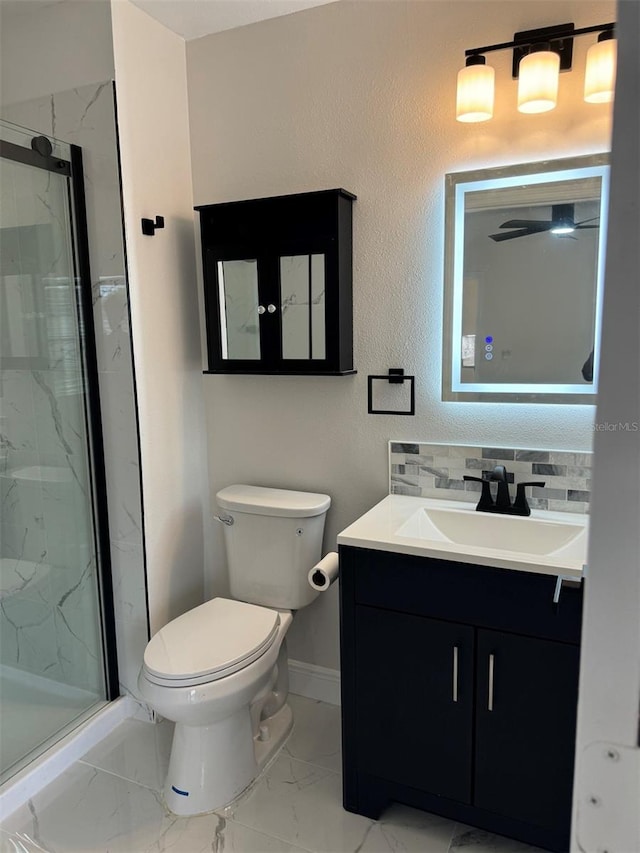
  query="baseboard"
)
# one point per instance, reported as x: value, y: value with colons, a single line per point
x: 44, y: 769
x: 314, y: 682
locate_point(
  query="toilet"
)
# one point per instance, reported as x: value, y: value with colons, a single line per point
x: 220, y: 670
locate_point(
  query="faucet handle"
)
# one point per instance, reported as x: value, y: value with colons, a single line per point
x: 521, y: 504
x: 486, y: 502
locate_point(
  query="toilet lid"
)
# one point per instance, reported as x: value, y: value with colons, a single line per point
x: 211, y: 641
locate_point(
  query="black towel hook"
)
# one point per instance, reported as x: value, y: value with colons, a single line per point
x: 149, y: 226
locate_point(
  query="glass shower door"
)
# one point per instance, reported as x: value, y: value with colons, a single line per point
x: 53, y: 576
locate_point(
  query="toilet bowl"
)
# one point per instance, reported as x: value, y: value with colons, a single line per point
x: 229, y: 706
x: 220, y: 670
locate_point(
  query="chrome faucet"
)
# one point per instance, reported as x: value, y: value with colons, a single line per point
x: 502, y: 502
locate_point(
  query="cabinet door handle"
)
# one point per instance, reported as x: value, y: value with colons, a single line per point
x: 261, y: 309
x: 455, y: 674
x: 271, y: 308
x: 562, y: 581
x: 491, y: 667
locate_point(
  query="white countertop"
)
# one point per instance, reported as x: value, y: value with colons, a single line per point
x: 378, y: 529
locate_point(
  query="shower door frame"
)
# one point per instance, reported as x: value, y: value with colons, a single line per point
x: 72, y: 169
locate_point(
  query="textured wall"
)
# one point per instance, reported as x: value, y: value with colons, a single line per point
x: 361, y: 95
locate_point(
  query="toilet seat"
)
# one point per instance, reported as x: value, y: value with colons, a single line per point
x: 216, y: 639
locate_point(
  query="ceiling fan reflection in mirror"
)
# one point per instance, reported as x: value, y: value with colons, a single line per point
x: 562, y: 224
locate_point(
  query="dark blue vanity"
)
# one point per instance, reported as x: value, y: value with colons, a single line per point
x: 459, y: 691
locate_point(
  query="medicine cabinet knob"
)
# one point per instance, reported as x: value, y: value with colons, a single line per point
x: 271, y: 308
x: 261, y: 309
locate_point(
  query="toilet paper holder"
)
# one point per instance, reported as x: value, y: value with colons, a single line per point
x: 325, y: 572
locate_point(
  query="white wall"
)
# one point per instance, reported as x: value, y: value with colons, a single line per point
x: 361, y: 95
x: 53, y: 48
x: 156, y: 175
x: 607, y: 789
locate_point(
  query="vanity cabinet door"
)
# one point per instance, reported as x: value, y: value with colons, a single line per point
x: 414, y: 683
x: 527, y: 693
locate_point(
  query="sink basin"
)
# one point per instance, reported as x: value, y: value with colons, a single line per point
x: 523, y: 535
x: 545, y: 542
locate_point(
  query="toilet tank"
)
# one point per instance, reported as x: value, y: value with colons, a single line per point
x: 275, y: 538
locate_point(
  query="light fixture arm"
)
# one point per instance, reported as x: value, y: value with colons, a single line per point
x: 560, y: 37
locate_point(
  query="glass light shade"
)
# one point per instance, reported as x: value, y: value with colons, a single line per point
x: 538, y: 82
x: 600, y: 73
x: 476, y: 87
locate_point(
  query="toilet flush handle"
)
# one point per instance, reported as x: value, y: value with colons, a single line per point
x: 224, y: 519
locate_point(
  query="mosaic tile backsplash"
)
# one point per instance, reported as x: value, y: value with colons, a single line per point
x: 437, y: 471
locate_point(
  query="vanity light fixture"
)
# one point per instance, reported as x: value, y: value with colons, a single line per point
x: 538, y: 79
x: 538, y: 57
x: 476, y: 89
x: 600, y: 73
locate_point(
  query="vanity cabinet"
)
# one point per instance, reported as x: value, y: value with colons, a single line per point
x: 277, y: 284
x: 459, y: 692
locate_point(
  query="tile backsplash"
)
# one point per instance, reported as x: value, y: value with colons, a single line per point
x: 437, y: 471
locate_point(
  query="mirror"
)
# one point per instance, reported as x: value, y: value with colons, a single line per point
x: 238, y: 295
x: 303, y: 307
x: 524, y: 266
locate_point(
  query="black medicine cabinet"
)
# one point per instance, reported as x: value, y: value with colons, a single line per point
x: 278, y: 284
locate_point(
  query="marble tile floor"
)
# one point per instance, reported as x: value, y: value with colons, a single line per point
x: 110, y: 801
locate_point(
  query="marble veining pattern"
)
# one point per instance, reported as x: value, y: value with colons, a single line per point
x: 111, y: 801
x: 39, y: 426
x: 437, y: 471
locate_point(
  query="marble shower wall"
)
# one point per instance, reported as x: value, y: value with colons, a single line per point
x: 85, y: 117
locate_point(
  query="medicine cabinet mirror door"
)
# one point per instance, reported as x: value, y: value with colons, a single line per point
x: 271, y: 310
x: 238, y: 307
x: 303, y: 307
x: 524, y: 266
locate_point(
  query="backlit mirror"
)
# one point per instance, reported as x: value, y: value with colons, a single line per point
x: 524, y: 264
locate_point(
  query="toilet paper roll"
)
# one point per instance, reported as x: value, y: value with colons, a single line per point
x: 323, y: 574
